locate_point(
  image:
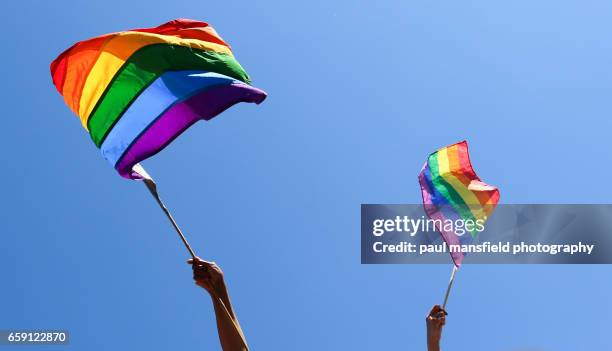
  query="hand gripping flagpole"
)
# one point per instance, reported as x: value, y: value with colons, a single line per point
x: 450, y: 284
x: 150, y: 183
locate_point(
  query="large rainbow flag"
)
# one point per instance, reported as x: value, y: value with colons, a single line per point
x: 136, y: 91
x: 452, y: 191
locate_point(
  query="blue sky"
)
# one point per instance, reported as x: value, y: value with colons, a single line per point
x: 359, y: 93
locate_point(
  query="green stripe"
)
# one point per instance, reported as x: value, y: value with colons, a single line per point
x: 447, y: 190
x: 142, y: 68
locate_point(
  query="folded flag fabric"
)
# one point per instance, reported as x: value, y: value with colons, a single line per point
x: 136, y: 91
x: 452, y: 191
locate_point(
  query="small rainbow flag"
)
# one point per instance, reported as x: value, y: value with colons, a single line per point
x: 452, y: 191
x: 136, y: 91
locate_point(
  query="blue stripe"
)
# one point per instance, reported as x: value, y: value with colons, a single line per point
x: 436, y: 197
x: 442, y: 204
x: 170, y: 88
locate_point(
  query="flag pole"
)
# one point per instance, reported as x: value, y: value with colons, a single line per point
x: 450, y: 284
x: 150, y: 183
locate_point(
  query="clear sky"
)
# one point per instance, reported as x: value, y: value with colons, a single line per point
x: 359, y: 93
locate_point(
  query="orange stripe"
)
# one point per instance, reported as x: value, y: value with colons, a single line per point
x: 462, y: 168
x: 82, y: 56
x: 117, y: 51
x: 455, y: 165
x: 184, y: 26
x: 206, y: 34
x: 486, y: 194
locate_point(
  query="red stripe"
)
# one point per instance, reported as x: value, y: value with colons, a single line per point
x: 484, y: 197
x: 58, y: 71
x: 464, y: 160
x: 183, y: 28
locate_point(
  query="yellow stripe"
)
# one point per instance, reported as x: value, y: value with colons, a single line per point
x: 444, y: 164
x: 117, y: 51
x: 479, y: 186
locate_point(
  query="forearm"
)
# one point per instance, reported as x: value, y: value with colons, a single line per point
x: 210, y: 277
x: 433, y: 345
x: 434, y: 323
x: 230, y: 334
x: 224, y: 296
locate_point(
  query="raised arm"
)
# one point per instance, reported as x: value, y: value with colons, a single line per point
x: 210, y: 277
x: 435, y: 320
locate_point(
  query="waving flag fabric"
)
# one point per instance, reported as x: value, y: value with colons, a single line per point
x: 452, y: 191
x: 136, y: 91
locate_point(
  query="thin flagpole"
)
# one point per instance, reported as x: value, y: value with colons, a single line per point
x: 450, y: 284
x: 150, y: 183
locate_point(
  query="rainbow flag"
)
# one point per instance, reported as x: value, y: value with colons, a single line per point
x: 452, y: 191
x: 136, y: 91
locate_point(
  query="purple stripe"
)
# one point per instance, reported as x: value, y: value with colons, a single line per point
x: 181, y: 116
x: 437, y: 208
